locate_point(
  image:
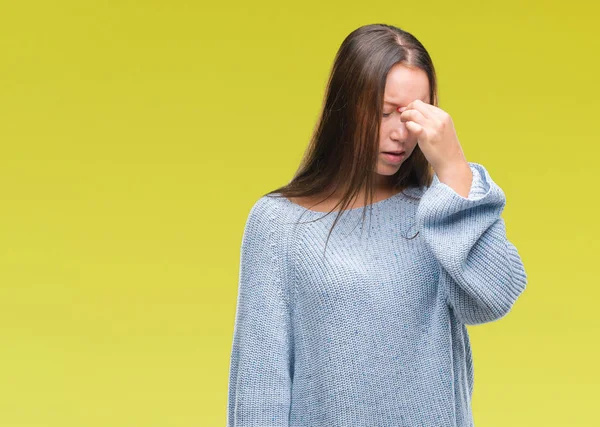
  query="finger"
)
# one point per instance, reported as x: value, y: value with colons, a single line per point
x: 431, y: 112
x: 414, y: 116
x: 435, y: 111
x: 427, y: 110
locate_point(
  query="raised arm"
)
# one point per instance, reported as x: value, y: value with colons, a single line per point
x: 482, y: 273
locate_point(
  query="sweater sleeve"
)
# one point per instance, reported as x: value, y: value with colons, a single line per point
x: 481, y: 273
x: 261, y: 364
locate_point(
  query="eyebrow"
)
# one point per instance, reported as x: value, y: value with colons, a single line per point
x: 398, y: 105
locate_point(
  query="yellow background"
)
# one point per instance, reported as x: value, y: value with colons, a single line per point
x: 136, y: 135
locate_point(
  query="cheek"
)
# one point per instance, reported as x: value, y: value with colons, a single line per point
x: 383, y: 132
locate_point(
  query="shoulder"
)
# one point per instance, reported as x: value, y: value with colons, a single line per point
x: 266, y: 213
x: 267, y: 206
x: 265, y: 234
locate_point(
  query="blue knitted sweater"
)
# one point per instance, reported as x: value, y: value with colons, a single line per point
x: 374, y: 333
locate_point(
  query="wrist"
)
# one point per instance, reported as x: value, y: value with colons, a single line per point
x: 457, y: 176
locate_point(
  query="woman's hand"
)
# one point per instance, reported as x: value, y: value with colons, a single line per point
x: 439, y: 143
x: 436, y: 135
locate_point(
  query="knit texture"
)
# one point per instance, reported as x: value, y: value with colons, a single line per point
x: 374, y: 334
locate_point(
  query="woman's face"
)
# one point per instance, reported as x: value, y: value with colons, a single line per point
x: 403, y: 85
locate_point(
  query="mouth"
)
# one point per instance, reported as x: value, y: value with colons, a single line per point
x: 394, y: 157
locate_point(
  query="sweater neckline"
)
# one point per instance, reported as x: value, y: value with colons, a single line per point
x: 379, y: 203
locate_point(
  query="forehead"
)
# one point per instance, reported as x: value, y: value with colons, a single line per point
x: 405, y: 84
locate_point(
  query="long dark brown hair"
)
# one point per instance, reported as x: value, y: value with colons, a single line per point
x: 343, y: 150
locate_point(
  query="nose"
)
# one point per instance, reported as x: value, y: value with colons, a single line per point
x: 399, y: 131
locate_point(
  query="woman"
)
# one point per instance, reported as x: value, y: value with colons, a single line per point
x: 372, y: 332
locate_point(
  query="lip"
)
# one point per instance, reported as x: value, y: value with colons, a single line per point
x: 394, y: 158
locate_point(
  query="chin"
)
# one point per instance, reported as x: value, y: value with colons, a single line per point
x: 388, y: 170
